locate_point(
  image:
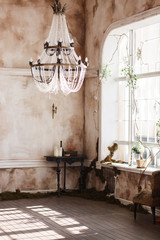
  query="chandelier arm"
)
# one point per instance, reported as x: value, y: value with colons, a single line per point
x: 53, y: 64
x: 63, y: 47
x: 35, y: 77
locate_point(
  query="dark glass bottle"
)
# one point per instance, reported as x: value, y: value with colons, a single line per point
x: 61, y: 147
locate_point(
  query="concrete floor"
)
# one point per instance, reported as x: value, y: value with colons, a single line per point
x: 72, y: 218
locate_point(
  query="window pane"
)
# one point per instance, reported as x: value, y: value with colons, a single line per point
x: 123, y: 111
x: 147, y: 58
x: 148, y: 109
x: 122, y: 153
x: 123, y: 52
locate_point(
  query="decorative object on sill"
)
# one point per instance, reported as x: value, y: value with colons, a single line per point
x: 141, y: 163
x: 108, y: 159
x: 58, y: 67
x: 54, y: 110
x: 138, y: 150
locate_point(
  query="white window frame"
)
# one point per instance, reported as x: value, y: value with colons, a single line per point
x: 134, y: 19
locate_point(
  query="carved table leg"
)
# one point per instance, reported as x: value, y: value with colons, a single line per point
x: 58, y: 178
x: 81, y: 178
x: 64, y: 183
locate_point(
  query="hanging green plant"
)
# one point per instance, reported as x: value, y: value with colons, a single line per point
x: 158, y: 128
x: 105, y: 72
x: 131, y: 77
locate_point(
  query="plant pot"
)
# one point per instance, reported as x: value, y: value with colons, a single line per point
x: 141, y: 163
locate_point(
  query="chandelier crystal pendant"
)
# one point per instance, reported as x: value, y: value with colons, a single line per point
x: 59, y: 67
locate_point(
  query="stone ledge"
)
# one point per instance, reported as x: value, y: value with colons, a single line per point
x: 127, y: 168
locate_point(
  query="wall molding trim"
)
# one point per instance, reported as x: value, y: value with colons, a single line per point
x: 15, y: 164
x: 26, y: 72
x: 15, y: 72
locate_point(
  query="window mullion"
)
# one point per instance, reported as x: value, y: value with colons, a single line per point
x: 130, y: 132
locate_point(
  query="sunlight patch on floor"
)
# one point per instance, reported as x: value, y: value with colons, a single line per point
x: 77, y: 230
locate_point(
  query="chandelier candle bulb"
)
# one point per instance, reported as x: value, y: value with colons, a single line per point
x: 79, y: 60
x: 39, y: 60
x: 72, y: 43
x: 86, y: 61
x: 46, y: 44
x: 59, y: 43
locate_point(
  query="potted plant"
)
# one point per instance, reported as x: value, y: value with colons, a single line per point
x: 138, y: 150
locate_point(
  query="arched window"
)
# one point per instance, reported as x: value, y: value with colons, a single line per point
x: 129, y: 116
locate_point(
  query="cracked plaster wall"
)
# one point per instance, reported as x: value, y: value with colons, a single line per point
x: 36, y: 179
x: 27, y: 130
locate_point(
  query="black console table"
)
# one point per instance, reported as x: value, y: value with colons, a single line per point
x: 65, y: 160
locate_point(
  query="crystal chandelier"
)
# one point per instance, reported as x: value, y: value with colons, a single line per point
x: 58, y: 67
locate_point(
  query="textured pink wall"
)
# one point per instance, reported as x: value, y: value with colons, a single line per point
x: 27, y: 130
x: 24, y: 27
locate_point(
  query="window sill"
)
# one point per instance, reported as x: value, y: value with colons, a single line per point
x: 133, y: 169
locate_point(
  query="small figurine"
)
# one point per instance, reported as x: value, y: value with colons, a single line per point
x: 112, y: 149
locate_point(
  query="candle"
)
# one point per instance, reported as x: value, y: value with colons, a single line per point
x: 56, y: 152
